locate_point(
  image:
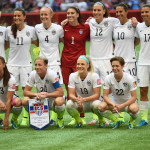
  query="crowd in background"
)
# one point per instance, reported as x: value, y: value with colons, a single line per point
x: 7, y: 6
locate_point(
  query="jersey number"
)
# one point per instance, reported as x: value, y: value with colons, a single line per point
x: 1, y: 90
x: 98, y: 32
x: 84, y: 91
x: 43, y: 89
x: 46, y: 39
x: 20, y: 41
x: 121, y: 36
x: 147, y: 37
x: 132, y: 71
x: 119, y: 92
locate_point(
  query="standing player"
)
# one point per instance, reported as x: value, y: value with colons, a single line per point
x: 143, y: 68
x: 125, y: 41
x: 84, y: 91
x: 7, y: 101
x: 49, y: 35
x: 101, y: 45
x: 19, y: 37
x: 75, y: 35
x: 47, y: 84
x: 123, y: 88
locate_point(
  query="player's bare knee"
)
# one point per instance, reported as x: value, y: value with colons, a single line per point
x: 59, y: 101
x: 25, y: 101
x: 17, y: 102
x: 133, y: 108
x: 102, y: 106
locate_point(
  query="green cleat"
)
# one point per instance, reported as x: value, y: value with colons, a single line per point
x: 24, y: 122
x: 131, y: 125
x: 60, y: 123
x: 15, y: 124
x: 117, y: 124
x: 73, y: 122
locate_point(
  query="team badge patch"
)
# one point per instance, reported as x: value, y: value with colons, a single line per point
x: 54, y: 32
x: 134, y: 85
x: 98, y: 81
x: 129, y: 27
x: 1, y: 33
x: 28, y: 33
x: 81, y: 31
x: 125, y: 84
x: 14, y: 86
x: 89, y: 83
x: 38, y: 113
x: 106, y: 24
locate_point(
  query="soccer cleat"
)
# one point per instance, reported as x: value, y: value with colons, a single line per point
x: 83, y: 121
x: 94, y: 121
x: 117, y: 124
x: 102, y: 125
x: 131, y: 125
x: 1, y: 122
x: 73, y: 122
x: 60, y: 123
x: 15, y: 124
x: 79, y: 125
x: 24, y: 122
x: 52, y: 122
x: 142, y: 123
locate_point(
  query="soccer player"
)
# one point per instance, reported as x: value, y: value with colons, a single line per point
x: 84, y: 91
x: 143, y: 68
x: 101, y: 44
x: 49, y: 34
x: 75, y: 35
x: 123, y: 87
x: 8, y: 101
x: 48, y: 86
x: 125, y: 41
x: 19, y: 37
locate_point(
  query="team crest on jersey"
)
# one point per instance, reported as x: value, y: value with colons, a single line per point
x: 28, y: 33
x: 129, y: 27
x: 125, y: 84
x: 14, y: 86
x: 106, y: 24
x: 47, y: 81
x: 1, y: 33
x: 56, y: 79
x: 89, y: 83
x: 38, y: 108
x: 134, y: 84
x: 81, y: 31
x: 54, y: 32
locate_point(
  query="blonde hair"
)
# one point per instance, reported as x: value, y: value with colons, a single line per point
x: 45, y: 60
x: 50, y: 9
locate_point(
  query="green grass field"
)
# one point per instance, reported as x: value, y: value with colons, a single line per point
x: 85, y: 138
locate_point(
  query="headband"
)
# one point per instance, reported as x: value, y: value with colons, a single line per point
x: 100, y: 4
x: 83, y: 57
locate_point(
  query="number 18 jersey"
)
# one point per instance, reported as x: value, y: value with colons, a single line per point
x: 84, y: 88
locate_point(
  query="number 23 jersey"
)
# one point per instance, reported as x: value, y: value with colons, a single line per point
x: 120, y: 90
x: 84, y: 88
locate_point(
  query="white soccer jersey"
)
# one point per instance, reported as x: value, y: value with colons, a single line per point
x: 120, y: 90
x: 49, y: 42
x: 143, y: 32
x: 84, y: 88
x: 2, y: 41
x: 124, y: 36
x: 10, y: 87
x: 101, y: 45
x: 43, y: 85
x: 19, y: 51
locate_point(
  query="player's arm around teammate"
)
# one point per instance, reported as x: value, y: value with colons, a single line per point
x: 48, y: 86
x: 123, y: 88
x: 7, y: 99
x: 84, y: 91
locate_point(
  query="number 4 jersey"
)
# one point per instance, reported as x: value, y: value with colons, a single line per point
x: 19, y: 51
x: 120, y: 90
x: 84, y: 88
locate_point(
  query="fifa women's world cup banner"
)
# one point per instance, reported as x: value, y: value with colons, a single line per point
x: 39, y: 116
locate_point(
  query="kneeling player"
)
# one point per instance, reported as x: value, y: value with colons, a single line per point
x: 47, y: 84
x: 84, y: 91
x: 123, y: 88
x: 8, y: 103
